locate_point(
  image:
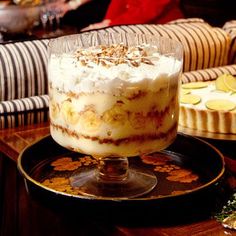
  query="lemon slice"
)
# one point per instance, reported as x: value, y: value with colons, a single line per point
x: 230, y: 82
x: 184, y: 91
x: 195, y: 85
x: 226, y: 83
x: 220, y: 83
x: 190, y: 99
x: 220, y: 105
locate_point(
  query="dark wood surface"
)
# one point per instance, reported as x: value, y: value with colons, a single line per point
x: 22, y: 216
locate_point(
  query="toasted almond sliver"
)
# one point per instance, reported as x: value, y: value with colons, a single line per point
x: 220, y: 105
x: 195, y: 85
x: 190, y: 99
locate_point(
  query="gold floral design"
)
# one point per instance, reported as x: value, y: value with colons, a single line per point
x: 67, y: 164
x: 60, y: 184
x: 163, y: 164
x: 155, y: 159
x: 182, y: 175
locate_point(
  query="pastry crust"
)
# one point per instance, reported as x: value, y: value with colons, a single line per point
x: 206, y: 120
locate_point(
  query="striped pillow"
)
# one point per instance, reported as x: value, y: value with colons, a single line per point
x: 24, y: 111
x: 230, y: 28
x: 208, y: 74
x: 23, y: 69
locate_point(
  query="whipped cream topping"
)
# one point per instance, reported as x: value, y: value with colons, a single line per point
x: 82, y: 71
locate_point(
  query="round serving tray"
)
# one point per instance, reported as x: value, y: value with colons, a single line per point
x: 205, y: 134
x: 189, y: 174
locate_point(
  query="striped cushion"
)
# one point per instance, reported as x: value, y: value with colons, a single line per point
x: 23, y: 69
x: 208, y: 74
x: 24, y: 111
x: 230, y: 28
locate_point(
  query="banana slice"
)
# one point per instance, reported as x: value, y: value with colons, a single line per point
x: 53, y: 109
x: 220, y: 105
x: 90, y: 120
x: 226, y: 83
x: 190, y: 99
x: 194, y: 85
x: 69, y: 113
x: 116, y: 116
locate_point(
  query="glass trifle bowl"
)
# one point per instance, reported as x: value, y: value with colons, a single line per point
x: 114, y: 96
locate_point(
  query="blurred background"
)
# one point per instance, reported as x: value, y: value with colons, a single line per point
x: 25, y: 19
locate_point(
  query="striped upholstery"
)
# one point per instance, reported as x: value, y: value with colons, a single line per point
x: 208, y: 74
x: 23, y: 83
x: 23, y: 66
x: 23, y: 69
x: 230, y: 28
x: 24, y: 111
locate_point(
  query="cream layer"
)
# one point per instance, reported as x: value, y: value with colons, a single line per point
x: 96, y: 147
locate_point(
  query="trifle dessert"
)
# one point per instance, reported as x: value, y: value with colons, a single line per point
x: 209, y: 106
x: 114, y: 100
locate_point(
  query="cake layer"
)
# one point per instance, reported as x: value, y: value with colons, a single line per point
x: 97, y: 147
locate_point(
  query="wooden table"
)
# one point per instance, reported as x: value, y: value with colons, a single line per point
x: 23, y: 216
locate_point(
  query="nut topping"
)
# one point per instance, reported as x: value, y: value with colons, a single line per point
x: 113, y: 55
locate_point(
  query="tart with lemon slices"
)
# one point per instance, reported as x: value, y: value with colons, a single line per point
x: 209, y: 106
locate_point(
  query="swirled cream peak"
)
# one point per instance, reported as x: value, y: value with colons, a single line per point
x: 112, y: 69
